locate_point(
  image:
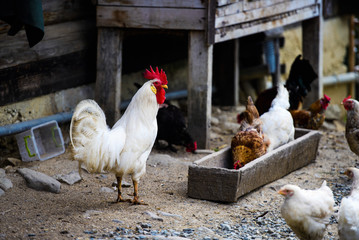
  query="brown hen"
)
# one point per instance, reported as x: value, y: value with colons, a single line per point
x: 248, y: 144
x: 313, y: 117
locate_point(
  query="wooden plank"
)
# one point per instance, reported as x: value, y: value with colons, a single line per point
x: 254, y: 4
x: 57, y: 11
x: 260, y: 25
x: 199, y: 87
x: 313, y: 51
x: 60, y: 39
x: 231, y: 9
x: 155, y: 18
x: 109, y: 68
x: 46, y: 76
x: 262, y: 13
x: 157, y: 3
x: 226, y: 2
x: 211, y: 15
x: 236, y: 72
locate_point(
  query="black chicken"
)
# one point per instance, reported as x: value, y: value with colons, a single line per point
x: 298, y: 83
x: 172, y: 128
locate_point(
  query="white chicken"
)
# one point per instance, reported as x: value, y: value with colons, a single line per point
x: 307, y: 212
x: 278, y: 123
x: 348, y: 222
x: 125, y: 147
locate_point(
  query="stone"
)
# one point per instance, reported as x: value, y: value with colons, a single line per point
x: 170, y: 215
x: 5, y: 183
x: 2, y: 173
x: 106, y: 189
x: 70, y: 178
x: 154, y: 216
x: 40, y: 181
x: 2, y: 192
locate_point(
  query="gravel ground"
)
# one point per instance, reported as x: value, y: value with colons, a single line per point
x: 85, y: 210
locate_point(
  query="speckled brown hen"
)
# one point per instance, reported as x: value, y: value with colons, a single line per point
x: 352, y: 124
x: 249, y: 142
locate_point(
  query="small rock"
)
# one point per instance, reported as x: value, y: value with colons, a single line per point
x: 90, y: 213
x: 40, y: 181
x: 154, y: 216
x: 214, y: 121
x: 106, y: 189
x: 2, y: 173
x: 1, y: 192
x: 5, y: 183
x: 170, y: 215
x: 123, y: 184
x: 70, y: 178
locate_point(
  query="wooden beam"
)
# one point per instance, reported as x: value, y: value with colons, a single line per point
x: 151, y: 17
x: 261, y: 25
x: 236, y: 71
x: 313, y: 51
x: 60, y: 39
x: 109, y: 67
x: 46, y: 76
x: 199, y: 87
x: 157, y: 3
x: 255, y: 14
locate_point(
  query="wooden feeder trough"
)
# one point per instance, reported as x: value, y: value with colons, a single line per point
x: 213, y: 177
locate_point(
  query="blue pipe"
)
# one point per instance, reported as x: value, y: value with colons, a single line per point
x: 66, y: 116
x: 24, y: 126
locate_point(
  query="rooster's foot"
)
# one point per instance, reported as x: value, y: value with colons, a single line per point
x: 120, y: 199
x: 135, y: 201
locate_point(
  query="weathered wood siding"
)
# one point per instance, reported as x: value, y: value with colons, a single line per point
x: 239, y: 18
x: 65, y: 58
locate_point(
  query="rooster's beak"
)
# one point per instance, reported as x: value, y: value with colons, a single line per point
x: 164, y: 86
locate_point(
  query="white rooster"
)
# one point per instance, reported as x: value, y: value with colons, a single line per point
x: 348, y: 222
x: 278, y: 123
x: 125, y: 147
x: 307, y: 212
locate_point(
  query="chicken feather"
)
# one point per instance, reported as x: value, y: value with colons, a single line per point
x: 125, y: 147
x: 307, y: 212
x: 277, y: 123
x: 348, y: 222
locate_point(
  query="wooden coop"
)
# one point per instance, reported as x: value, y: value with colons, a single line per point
x: 207, y: 22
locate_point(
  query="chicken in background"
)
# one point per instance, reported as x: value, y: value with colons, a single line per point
x: 125, y: 147
x: 348, y: 222
x: 277, y: 123
x: 313, y: 117
x: 352, y: 124
x: 172, y: 128
x: 307, y: 212
x: 301, y: 75
x: 249, y: 142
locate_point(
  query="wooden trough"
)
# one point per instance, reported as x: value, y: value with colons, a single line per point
x: 213, y: 177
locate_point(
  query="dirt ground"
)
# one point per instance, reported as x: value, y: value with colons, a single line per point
x: 27, y: 213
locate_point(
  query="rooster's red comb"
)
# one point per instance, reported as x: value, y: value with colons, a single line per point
x: 326, y: 97
x: 156, y: 75
x: 345, y: 99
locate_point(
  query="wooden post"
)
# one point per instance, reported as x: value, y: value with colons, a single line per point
x: 312, y: 50
x: 109, y: 65
x: 236, y: 71
x: 351, y: 53
x: 199, y: 87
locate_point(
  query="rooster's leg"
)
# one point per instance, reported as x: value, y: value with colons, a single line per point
x: 135, y: 194
x: 119, y: 191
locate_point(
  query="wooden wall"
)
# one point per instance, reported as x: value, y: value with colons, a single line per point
x: 65, y: 58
